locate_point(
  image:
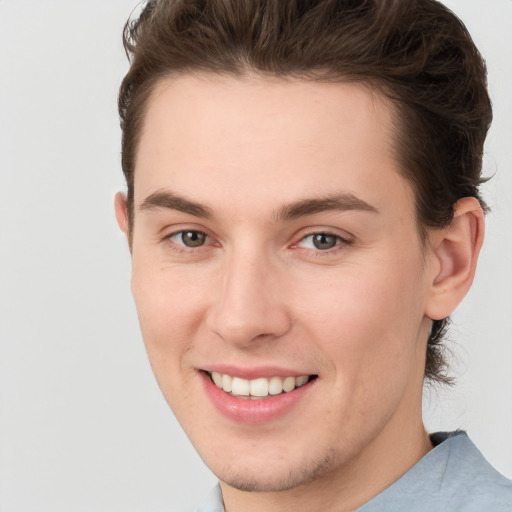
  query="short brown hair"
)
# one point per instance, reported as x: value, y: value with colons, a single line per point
x: 416, y: 52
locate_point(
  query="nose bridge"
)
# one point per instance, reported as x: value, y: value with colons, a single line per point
x: 249, y: 304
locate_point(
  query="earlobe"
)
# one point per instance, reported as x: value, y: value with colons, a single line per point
x: 455, y: 251
x: 121, y: 210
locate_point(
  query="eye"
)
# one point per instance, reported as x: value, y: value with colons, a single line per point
x: 321, y: 241
x: 189, y: 238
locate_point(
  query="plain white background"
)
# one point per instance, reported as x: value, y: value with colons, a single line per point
x: 83, y: 426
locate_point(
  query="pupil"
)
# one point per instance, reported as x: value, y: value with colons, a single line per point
x: 193, y: 238
x: 323, y: 241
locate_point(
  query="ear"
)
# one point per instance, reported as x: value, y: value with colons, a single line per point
x: 121, y: 210
x: 455, y: 251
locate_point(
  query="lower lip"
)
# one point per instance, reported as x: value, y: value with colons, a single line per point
x: 247, y: 410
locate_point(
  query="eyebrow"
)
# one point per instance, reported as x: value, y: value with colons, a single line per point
x: 340, y: 202
x: 167, y: 200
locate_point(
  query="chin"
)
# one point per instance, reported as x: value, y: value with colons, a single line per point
x: 276, y: 476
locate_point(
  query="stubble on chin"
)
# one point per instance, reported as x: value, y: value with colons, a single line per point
x: 307, y: 471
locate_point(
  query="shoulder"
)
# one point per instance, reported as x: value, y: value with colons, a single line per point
x: 453, y: 477
x: 469, y: 482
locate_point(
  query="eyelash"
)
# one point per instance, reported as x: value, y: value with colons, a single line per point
x: 181, y: 247
x: 341, y: 242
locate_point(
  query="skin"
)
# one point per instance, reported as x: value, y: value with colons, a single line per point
x: 259, y: 293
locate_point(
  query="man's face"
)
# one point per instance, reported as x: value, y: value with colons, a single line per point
x: 275, y: 242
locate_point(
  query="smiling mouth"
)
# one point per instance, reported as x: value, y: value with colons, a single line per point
x: 257, y: 389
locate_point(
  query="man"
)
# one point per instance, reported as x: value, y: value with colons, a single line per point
x: 303, y: 215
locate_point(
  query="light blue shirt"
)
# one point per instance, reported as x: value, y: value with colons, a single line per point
x: 453, y: 477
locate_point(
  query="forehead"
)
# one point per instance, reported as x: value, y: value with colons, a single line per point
x: 235, y: 139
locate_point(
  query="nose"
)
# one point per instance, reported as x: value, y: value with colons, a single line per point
x: 249, y: 306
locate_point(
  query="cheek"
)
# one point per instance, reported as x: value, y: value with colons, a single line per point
x: 366, y: 319
x: 170, y: 308
x: 169, y: 314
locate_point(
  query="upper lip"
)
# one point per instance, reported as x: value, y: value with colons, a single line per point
x: 254, y: 372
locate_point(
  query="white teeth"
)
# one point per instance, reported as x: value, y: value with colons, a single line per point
x: 289, y: 384
x: 240, y: 387
x: 300, y: 381
x: 217, y: 378
x: 227, y: 382
x: 257, y: 387
x: 275, y: 386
